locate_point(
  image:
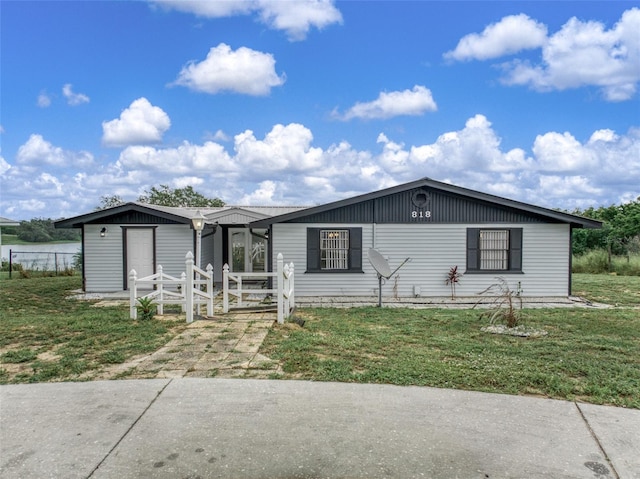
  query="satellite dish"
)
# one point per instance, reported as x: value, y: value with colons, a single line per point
x: 379, y: 263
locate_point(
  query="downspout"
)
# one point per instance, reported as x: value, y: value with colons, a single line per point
x: 570, y: 257
x: 84, y: 278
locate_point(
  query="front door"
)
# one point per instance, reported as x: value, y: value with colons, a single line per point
x: 247, y: 251
x: 140, y: 252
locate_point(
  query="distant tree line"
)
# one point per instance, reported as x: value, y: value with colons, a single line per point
x: 41, y: 230
x: 620, y: 233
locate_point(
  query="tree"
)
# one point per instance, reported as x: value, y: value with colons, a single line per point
x: 620, y: 232
x: 107, y: 201
x: 166, y: 196
x: 41, y: 230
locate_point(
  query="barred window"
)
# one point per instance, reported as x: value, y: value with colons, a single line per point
x: 494, y: 249
x: 334, y: 249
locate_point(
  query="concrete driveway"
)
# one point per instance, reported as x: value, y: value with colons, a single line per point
x: 230, y: 428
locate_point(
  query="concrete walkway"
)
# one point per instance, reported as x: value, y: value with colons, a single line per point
x: 229, y: 428
x: 226, y: 346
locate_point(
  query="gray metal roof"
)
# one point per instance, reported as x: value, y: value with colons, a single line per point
x: 7, y: 222
x: 233, y: 214
x: 504, y: 203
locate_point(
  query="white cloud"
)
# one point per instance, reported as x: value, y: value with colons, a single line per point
x: 556, y: 170
x: 510, y: 35
x: 44, y: 101
x: 581, y: 53
x: 4, y: 166
x: 74, y: 99
x: 295, y: 18
x: 557, y: 152
x: 263, y: 195
x: 141, y: 123
x: 243, y: 71
x: 38, y: 151
x: 284, y: 148
x: 298, y: 17
x: 396, y: 103
x: 184, y: 181
x: 184, y: 160
x: 586, y: 53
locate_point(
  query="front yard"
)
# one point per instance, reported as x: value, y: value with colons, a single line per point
x: 590, y: 355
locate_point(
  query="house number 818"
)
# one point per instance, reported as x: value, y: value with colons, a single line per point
x: 421, y: 214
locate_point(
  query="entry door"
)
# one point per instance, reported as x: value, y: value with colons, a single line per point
x: 248, y: 251
x: 140, y: 252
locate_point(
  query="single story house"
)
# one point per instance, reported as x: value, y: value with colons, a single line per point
x: 437, y: 225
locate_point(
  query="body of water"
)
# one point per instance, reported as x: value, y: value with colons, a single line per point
x: 41, y: 257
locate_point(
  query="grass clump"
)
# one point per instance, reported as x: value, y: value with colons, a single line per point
x: 596, y: 261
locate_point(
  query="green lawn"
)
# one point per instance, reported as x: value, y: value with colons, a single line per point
x: 590, y: 355
x: 46, y: 337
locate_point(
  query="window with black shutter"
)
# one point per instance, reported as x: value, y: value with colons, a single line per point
x: 494, y: 250
x: 334, y: 250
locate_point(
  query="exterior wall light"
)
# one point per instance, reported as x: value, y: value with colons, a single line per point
x: 103, y: 232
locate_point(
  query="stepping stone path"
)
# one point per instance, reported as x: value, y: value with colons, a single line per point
x: 224, y: 346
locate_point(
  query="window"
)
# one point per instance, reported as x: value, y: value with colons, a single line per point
x: 335, y: 250
x: 494, y: 250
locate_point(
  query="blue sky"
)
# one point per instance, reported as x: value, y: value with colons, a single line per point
x: 284, y: 102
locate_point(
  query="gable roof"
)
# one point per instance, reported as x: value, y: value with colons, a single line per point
x: 224, y: 214
x: 504, y: 203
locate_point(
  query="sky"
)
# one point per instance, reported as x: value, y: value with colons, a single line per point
x: 281, y: 102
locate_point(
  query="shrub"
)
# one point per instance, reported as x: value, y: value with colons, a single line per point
x: 145, y: 308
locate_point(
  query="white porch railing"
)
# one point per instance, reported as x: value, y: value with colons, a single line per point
x: 284, y: 291
x: 171, y: 290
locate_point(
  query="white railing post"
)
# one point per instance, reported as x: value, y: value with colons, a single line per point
x: 280, y: 285
x: 133, y: 310
x: 239, y: 283
x: 188, y: 287
x: 183, y: 286
x: 287, y: 290
x: 160, y: 307
x: 209, y: 290
x: 292, y: 287
x: 225, y: 288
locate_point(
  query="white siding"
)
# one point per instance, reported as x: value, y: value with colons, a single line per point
x: 433, y: 249
x: 103, y: 258
x: 173, y: 242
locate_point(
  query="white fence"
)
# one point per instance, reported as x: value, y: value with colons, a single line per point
x: 284, y: 276
x: 170, y: 290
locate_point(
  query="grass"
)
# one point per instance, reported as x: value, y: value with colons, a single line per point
x: 609, y: 289
x: 597, y: 262
x: 590, y: 355
x: 46, y: 337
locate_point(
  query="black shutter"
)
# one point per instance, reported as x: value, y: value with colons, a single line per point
x: 313, y: 249
x: 355, y: 249
x: 473, y: 249
x: 515, y: 249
